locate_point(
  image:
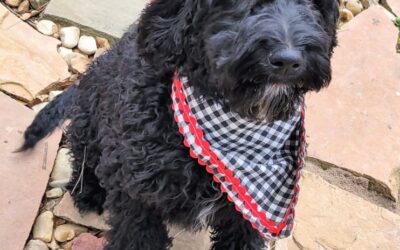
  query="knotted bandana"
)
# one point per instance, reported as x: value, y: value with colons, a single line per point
x: 257, y: 164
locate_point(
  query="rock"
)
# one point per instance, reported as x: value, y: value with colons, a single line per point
x: 24, y: 176
x: 53, y: 94
x: 43, y: 228
x: 330, y: 218
x: 50, y: 204
x: 80, y: 63
x: 365, y: 3
x: 365, y: 140
x: 38, y: 4
x: 108, y: 19
x: 185, y: 240
x: 354, y: 6
x: 59, y: 183
x: 47, y: 27
x: 87, y: 241
x: 99, y: 52
x: 70, y: 36
x: 36, y: 245
x: 102, y: 43
x: 87, y: 44
x: 27, y: 66
x: 65, y: 52
x: 67, y: 245
x: 13, y: 3
x: 39, y: 107
x: 62, y: 170
x: 54, y: 193
x: 67, y: 232
x: 25, y: 16
x: 66, y: 210
x: 23, y: 7
x: 345, y: 15
x: 68, y: 54
x: 53, y: 245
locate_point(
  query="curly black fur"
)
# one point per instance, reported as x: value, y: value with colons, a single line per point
x: 48, y: 119
x: 122, y: 130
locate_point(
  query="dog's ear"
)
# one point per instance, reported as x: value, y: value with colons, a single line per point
x: 160, y: 32
x: 329, y: 10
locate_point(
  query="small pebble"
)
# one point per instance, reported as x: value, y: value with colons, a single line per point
x: 67, y: 245
x: 23, y: 7
x: 99, y: 52
x: 38, y: 4
x: 346, y: 15
x: 54, y: 193
x: 53, y: 245
x: 67, y: 232
x: 13, y: 3
x: 354, y: 6
x: 87, y: 44
x: 43, y: 228
x: 102, y: 43
x: 69, y: 36
x: 47, y: 27
x: 50, y: 204
x: 87, y: 241
x: 39, y: 107
x: 53, y: 94
x: 67, y: 54
x: 62, y: 169
x: 36, y: 245
x: 365, y: 3
x: 25, y: 16
x: 80, y: 64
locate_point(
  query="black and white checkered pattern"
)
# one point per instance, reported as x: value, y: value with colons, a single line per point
x: 257, y: 164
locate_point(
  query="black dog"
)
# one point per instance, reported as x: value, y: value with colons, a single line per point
x: 256, y: 57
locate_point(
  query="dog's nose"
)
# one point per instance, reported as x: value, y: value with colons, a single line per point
x: 287, y: 60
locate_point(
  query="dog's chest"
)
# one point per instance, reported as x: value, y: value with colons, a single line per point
x: 257, y: 164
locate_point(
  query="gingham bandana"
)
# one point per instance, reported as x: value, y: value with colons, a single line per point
x: 257, y: 164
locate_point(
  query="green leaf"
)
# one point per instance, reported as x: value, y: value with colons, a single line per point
x: 397, y: 22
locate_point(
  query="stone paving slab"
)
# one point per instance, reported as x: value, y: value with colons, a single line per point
x: 66, y: 210
x: 23, y: 176
x: 335, y: 220
x: 109, y: 19
x: 394, y: 6
x: 182, y: 240
x: 328, y: 217
x: 29, y: 61
x: 354, y: 123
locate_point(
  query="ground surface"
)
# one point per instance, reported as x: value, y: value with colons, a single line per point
x: 349, y: 189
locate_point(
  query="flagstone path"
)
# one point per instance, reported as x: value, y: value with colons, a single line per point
x: 349, y: 189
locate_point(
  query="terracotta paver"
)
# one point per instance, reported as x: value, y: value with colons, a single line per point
x: 23, y: 176
x: 395, y: 6
x: 354, y: 123
x: 29, y: 61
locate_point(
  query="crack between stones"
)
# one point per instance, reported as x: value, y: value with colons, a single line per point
x: 361, y: 185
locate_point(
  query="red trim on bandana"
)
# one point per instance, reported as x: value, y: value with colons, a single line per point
x: 247, y: 200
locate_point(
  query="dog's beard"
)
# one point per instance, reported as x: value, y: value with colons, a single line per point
x: 267, y: 103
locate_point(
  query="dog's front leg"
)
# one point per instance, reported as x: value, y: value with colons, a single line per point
x: 230, y: 231
x: 134, y: 225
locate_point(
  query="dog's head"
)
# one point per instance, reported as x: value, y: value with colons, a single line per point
x: 257, y: 56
